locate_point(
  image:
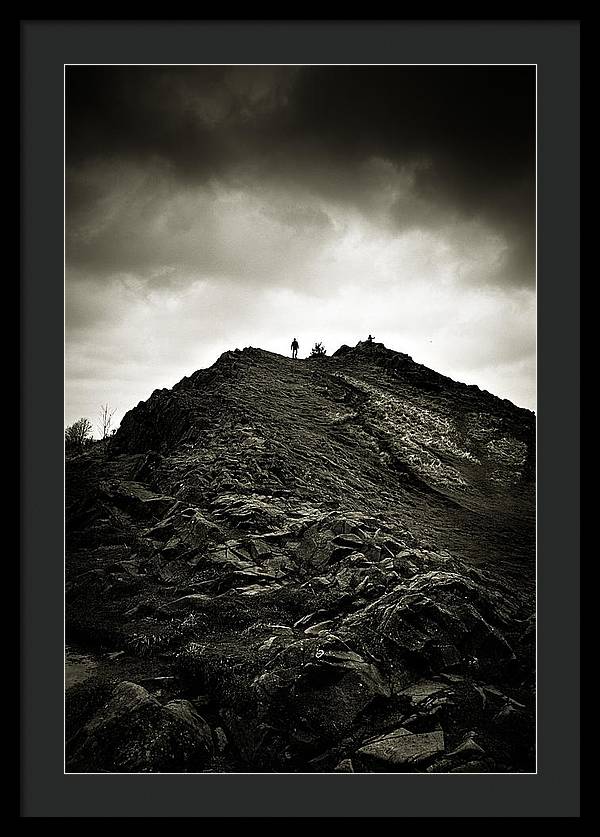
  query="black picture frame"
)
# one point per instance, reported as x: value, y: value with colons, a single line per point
x: 46, y: 46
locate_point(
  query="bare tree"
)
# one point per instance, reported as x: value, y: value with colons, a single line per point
x: 106, y: 415
x: 78, y: 433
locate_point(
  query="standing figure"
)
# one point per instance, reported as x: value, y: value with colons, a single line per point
x: 369, y: 339
x: 295, y: 346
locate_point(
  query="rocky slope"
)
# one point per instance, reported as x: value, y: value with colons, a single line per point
x: 306, y: 566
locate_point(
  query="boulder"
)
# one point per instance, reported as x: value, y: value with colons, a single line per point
x: 438, y: 617
x: 134, y: 733
x: 402, y: 748
x: 316, y: 688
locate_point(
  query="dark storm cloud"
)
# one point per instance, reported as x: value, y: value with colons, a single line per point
x: 189, y: 117
x: 214, y: 207
x: 466, y: 135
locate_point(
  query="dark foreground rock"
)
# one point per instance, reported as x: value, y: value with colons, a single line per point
x: 305, y: 566
x: 402, y: 747
x: 134, y: 733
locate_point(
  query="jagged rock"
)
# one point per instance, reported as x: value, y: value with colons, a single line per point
x: 229, y: 557
x: 347, y: 579
x: 326, y: 553
x: 167, y: 573
x: 259, y: 550
x: 133, y: 732
x: 401, y: 563
x: 136, y: 498
x: 184, y: 529
x: 345, y: 766
x: 318, y: 688
x: 247, y: 513
x: 402, y: 747
x: 315, y: 548
x: 468, y: 747
x: 432, y: 617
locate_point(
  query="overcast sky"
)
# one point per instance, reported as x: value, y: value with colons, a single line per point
x: 212, y: 208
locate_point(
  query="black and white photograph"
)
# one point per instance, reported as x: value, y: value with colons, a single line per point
x: 300, y: 351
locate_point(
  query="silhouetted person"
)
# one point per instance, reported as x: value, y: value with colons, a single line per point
x: 295, y: 346
x: 370, y: 339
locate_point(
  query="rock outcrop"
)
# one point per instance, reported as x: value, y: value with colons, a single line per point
x: 320, y: 565
x: 134, y: 733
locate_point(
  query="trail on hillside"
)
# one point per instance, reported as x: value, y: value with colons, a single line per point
x: 314, y: 565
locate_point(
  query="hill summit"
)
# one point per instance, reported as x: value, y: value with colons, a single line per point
x: 306, y: 565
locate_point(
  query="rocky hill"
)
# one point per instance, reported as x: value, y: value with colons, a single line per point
x: 306, y: 566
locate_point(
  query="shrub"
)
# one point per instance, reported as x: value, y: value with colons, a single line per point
x: 318, y: 350
x: 78, y: 434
